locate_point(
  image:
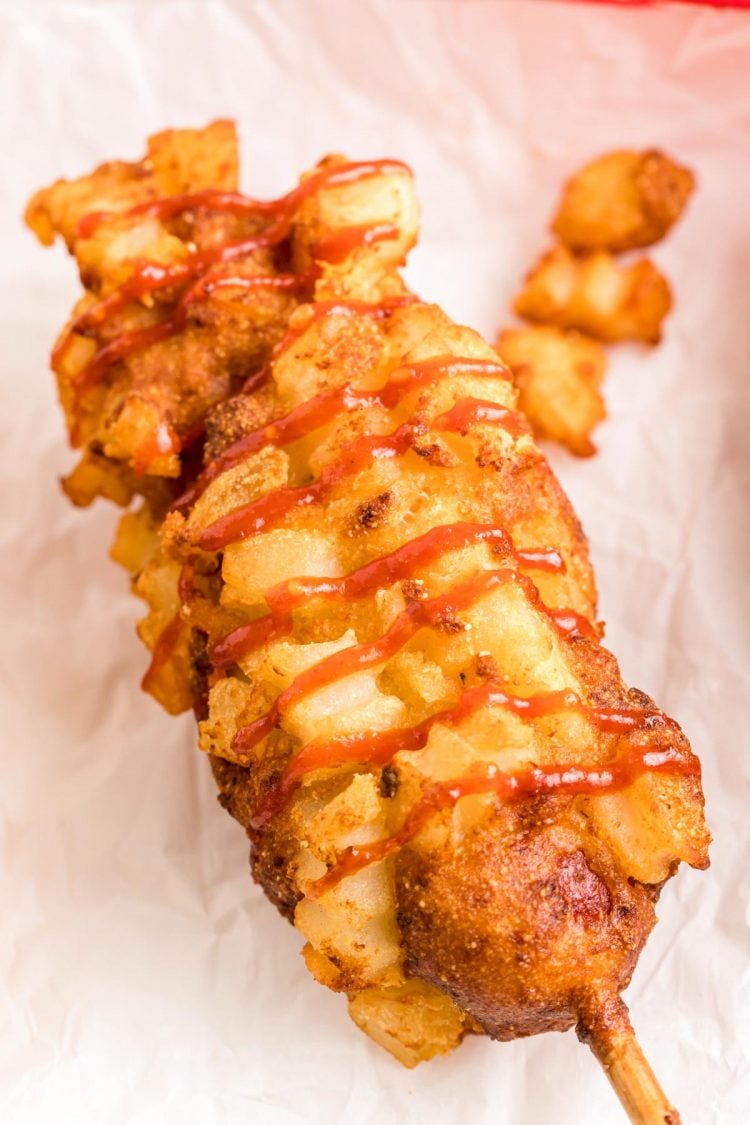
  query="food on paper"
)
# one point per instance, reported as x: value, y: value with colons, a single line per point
x: 617, y: 202
x: 364, y: 577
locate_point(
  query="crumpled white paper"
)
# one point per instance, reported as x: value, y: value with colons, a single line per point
x: 144, y: 978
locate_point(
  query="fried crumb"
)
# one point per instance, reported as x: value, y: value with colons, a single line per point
x: 372, y: 514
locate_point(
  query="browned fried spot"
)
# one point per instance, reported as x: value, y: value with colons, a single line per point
x: 370, y: 514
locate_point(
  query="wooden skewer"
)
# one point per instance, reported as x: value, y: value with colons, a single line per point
x: 605, y: 1026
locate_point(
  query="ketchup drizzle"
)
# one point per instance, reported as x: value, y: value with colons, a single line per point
x: 371, y: 748
x: 130, y: 342
x: 338, y: 245
x: 150, y: 277
x: 170, y: 636
x: 163, y: 651
x: 236, y: 203
x: 256, y: 516
x: 439, y: 795
x: 367, y: 747
x: 427, y: 614
x: 381, y: 572
x: 327, y: 406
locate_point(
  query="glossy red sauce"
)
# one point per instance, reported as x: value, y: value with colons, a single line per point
x: 163, y: 651
x: 150, y: 277
x: 574, y: 780
x: 395, y: 567
x: 186, y: 584
x: 329, y: 405
x: 471, y: 411
x: 129, y: 343
x: 170, y: 637
x: 268, y: 510
x: 235, y: 203
x: 378, y: 748
x: 573, y: 624
x: 309, y: 314
x: 338, y: 245
x: 434, y: 613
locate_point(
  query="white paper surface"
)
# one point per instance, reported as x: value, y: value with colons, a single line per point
x: 144, y: 978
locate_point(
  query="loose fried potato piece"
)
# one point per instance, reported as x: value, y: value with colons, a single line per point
x: 622, y: 200
x: 558, y: 375
x: 596, y: 295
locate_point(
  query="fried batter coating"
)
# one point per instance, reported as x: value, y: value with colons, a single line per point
x: 391, y: 631
x: 507, y: 912
x: 134, y: 409
x: 176, y: 161
x: 571, y: 881
x: 558, y: 375
x: 622, y: 200
x: 189, y: 286
x: 596, y: 295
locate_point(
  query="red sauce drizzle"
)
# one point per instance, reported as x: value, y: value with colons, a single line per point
x: 573, y: 624
x: 186, y: 584
x: 338, y: 245
x: 252, y: 518
x: 170, y: 637
x: 164, y: 648
x: 381, y: 572
x: 309, y: 314
x: 575, y: 780
x: 149, y: 277
x: 235, y: 203
x: 378, y: 748
x: 427, y: 614
x: 137, y: 340
x: 324, y: 408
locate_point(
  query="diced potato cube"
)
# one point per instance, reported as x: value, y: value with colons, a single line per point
x: 558, y: 375
x: 252, y: 567
x: 597, y: 295
x: 622, y: 200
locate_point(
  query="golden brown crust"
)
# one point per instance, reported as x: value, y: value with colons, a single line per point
x: 595, y: 294
x: 564, y: 908
x: 517, y: 947
x: 622, y: 200
x: 558, y: 375
x: 556, y: 883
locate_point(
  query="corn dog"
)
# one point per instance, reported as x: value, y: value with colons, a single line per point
x: 379, y: 602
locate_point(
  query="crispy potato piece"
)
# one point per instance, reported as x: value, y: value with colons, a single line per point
x: 622, y: 200
x: 177, y: 160
x: 558, y: 374
x: 138, y: 373
x: 414, y: 1022
x: 387, y: 200
x: 596, y: 295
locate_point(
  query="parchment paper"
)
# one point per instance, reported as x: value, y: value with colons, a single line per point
x: 144, y: 978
